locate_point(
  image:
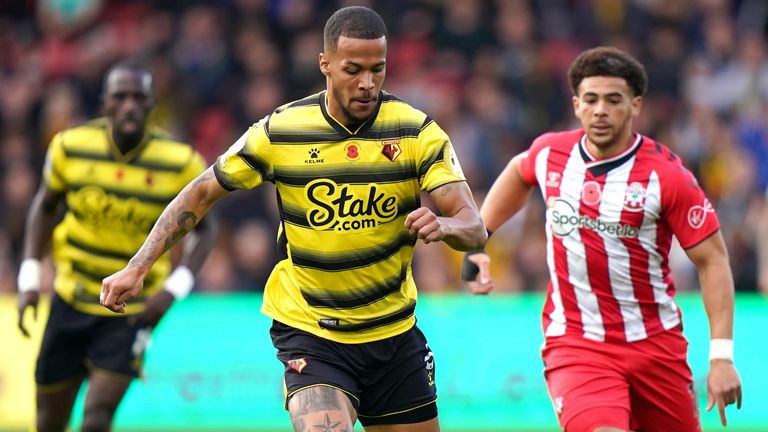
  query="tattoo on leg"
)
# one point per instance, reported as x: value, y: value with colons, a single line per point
x: 314, y: 399
x: 319, y: 398
x: 298, y: 424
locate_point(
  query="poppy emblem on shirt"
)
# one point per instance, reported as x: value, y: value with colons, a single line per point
x: 390, y: 148
x: 150, y: 180
x: 352, y: 151
x: 697, y: 214
x: 591, y: 193
x: 634, y: 200
x: 297, y: 364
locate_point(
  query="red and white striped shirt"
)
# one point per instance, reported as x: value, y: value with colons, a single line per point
x: 609, y: 227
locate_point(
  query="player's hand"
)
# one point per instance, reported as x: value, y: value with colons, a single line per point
x: 424, y: 224
x: 723, y: 386
x: 477, y: 263
x: 155, y: 309
x: 119, y: 288
x: 25, y: 300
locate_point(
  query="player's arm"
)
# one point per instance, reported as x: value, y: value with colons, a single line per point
x: 711, y: 260
x: 178, y: 218
x: 762, y: 248
x: 41, y: 220
x: 506, y: 197
x: 459, y: 226
x: 194, y: 250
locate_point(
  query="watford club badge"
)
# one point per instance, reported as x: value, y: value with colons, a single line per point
x: 391, y: 148
x: 297, y: 364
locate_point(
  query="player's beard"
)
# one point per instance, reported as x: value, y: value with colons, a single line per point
x: 614, y: 139
x: 128, y: 140
x: 349, y: 117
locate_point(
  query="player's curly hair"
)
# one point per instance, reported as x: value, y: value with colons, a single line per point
x: 355, y: 22
x: 610, y: 62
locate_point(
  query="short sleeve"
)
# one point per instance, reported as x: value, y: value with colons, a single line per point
x: 686, y: 209
x: 55, y: 163
x: 437, y: 161
x: 246, y: 165
x: 528, y: 159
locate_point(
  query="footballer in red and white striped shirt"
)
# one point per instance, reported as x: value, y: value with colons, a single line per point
x: 615, y: 199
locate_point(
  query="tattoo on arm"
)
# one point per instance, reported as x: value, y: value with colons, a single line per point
x: 186, y: 221
x: 446, y: 189
x: 176, y: 221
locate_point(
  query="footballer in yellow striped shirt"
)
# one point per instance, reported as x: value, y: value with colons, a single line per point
x: 116, y: 175
x: 349, y: 164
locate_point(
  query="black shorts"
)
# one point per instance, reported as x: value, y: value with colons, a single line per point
x: 391, y: 381
x: 74, y: 342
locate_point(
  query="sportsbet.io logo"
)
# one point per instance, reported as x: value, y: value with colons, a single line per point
x: 564, y: 219
x: 348, y: 207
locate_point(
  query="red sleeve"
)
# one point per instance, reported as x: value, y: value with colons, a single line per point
x: 685, y: 207
x: 528, y: 162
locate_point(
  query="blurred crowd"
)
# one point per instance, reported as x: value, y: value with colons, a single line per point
x: 492, y: 73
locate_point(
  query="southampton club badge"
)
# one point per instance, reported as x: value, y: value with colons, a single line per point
x: 634, y: 200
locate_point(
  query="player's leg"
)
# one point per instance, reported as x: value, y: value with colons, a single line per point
x: 105, y: 391
x: 399, y: 392
x: 320, y: 385
x: 321, y: 407
x: 662, y: 393
x: 427, y: 426
x: 54, y: 405
x: 587, y: 386
x: 114, y: 356
x: 60, y: 369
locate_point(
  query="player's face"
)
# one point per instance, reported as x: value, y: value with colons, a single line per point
x: 354, y: 75
x: 128, y: 99
x: 605, y: 107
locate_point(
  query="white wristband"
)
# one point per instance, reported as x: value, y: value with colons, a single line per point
x: 29, y: 275
x: 721, y: 349
x: 180, y: 282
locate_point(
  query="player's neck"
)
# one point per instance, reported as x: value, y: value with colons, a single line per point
x: 341, y: 117
x: 609, y: 150
x: 126, y: 143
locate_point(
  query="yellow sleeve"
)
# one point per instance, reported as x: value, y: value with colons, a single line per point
x: 246, y: 164
x: 55, y: 163
x: 438, y: 164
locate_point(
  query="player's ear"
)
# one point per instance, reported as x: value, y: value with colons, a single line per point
x: 325, y: 65
x: 575, y: 101
x: 637, y: 103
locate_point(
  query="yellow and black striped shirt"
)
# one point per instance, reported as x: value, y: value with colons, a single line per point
x: 345, y: 268
x: 113, y: 200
